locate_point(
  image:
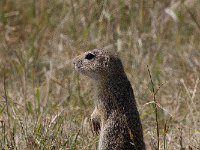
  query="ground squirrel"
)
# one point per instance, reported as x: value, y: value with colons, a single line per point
x: 115, y: 114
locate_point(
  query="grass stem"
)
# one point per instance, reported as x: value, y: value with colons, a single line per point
x: 155, y: 108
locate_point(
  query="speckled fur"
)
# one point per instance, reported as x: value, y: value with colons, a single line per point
x: 115, y: 106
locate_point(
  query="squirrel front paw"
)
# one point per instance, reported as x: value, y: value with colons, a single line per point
x: 95, y: 126
x: 96, y: 121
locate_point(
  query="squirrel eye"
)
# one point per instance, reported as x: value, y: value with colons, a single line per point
x: 89, y: 56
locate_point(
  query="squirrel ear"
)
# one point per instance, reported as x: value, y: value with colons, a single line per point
x: 106, y: 61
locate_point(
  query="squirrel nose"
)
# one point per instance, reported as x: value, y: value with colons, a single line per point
x: 74, y: 61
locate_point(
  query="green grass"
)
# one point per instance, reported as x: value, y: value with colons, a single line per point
x: 45, y: 105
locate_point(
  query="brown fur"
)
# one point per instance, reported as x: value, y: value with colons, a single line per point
x: 115, y: 114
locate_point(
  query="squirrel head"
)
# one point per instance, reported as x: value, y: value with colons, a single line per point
x: 98, y: 64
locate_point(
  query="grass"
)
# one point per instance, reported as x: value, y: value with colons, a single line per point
x: 45, y: 105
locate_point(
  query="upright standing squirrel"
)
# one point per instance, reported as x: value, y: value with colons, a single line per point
x: 115, y: 113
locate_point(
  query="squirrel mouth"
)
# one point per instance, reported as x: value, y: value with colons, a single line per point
x: 77, y: 68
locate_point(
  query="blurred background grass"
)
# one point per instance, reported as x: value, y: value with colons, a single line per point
x: 45, y: 105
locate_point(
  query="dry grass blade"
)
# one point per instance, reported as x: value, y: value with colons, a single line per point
x: 156, y: 109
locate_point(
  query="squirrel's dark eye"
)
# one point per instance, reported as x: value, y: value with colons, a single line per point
x: 89, y: 56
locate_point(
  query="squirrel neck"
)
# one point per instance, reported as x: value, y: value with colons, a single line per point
x: 113, y: 93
